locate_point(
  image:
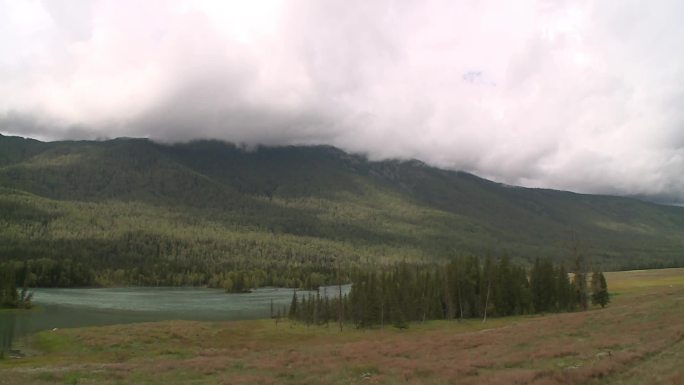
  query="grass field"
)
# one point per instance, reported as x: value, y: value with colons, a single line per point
x: 637, y: 339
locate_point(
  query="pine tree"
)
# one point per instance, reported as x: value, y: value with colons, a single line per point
x: 564, y: 290
x: 544, y: 293
x: 293, y: 306
x: 340, y: 302
x: 506, y: 294
x: 536, y: 285
x: 599, y: 290
x: 9, y: 297
x: 581, y: 270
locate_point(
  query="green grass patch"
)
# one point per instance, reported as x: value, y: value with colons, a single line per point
x: 72, y: 378
x: 50, y: 342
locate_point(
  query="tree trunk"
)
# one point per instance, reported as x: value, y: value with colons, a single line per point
x: 339, y: 303
x: 489, y: 285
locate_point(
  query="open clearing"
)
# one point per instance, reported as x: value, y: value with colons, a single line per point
x: 637, y: 339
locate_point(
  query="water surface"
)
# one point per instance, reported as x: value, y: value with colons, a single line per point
x: 67, y: 308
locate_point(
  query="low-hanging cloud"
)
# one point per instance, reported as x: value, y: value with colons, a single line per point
x: 583, y: 95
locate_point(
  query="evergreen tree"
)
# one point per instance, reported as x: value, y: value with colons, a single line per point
x: 293, y: 306
x: 505, y: 298
x: 9, y: 297
x: 564, y: 290
x: 543, y: 285
x: 599, y: 290
x: 581, y: 271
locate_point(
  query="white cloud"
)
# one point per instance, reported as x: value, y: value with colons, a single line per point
x: 582, y: 95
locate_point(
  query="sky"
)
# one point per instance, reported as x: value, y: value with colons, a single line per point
x: 585, y: 96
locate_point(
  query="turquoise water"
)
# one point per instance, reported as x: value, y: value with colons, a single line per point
x: 67, y: 308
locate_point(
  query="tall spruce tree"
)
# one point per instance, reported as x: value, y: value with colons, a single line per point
x: 543, y: 285
x: 505, y: 299
x: 581, y: 271
x: 293, y: 306
x: 564, y: 290
x: 9, y: 297
x: 599, y: 290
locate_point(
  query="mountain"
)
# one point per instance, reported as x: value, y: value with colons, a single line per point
x: 178, y: 214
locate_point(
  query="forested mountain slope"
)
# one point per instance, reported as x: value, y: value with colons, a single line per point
x: 131, y: 211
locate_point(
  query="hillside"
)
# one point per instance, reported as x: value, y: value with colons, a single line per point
x: 140, y: 212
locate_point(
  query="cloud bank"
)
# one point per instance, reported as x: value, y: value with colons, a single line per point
x: 581, y: 95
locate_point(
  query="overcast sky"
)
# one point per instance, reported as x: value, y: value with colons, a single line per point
x: 579, y: 95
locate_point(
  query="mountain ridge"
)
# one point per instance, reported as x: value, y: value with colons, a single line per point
x: 303, y: 201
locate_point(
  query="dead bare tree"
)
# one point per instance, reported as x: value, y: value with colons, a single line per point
x: 488, y: 271
x: 581, y: 271
x: 486, y: 304
x: 340, y: 308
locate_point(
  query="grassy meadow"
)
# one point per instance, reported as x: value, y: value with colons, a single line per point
x: 637, y: 339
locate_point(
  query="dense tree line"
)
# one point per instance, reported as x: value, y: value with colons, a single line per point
x: 234, y: 278
x: 318, y: 309
x: 463, y: 288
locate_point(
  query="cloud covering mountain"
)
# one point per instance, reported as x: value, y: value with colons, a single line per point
x: 582, y: 95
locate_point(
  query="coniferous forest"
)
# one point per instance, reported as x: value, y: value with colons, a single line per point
x: 463, y: 288
x: 133, y: 212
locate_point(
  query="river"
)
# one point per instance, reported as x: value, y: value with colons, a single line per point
x: 68, y: 308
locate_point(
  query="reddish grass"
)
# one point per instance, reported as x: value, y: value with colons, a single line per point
x: 637, y: 335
